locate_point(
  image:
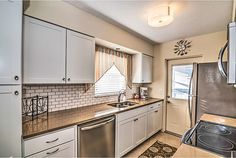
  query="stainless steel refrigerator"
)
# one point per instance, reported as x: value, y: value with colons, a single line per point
x: 210, y: 93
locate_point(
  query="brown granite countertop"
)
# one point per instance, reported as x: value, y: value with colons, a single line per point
x: 190, y: 151
x: 76, y: 116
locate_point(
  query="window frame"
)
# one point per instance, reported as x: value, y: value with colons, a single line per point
x: 171, y: 89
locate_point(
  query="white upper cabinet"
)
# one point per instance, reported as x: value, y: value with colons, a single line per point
x: 53, y: 54
x: 142, y: 68
x: 80, y: 58
x: 10, y: 45
x: 44, y: 52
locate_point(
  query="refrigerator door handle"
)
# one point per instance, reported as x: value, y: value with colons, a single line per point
x: 220, y: 61
x: 189, y: 96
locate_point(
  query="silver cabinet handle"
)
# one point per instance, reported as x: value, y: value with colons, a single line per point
x: 16, y: 93
x: 96, y: 125
x: 220, y: 61
x: 48, y: 153
x: 52, y: 140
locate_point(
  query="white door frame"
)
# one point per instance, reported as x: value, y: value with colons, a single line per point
x: 166, y: 87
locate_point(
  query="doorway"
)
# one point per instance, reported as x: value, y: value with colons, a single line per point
x: 179, y: 73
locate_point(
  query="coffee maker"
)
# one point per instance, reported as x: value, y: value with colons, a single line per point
x: 143, y: 92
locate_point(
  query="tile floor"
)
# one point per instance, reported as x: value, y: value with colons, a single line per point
x: 163, y: 137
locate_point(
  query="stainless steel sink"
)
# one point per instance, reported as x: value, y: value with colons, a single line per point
x: 122, y: 104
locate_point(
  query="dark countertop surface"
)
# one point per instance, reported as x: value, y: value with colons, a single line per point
x: 76, y: 116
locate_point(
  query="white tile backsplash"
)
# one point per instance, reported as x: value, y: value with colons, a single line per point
x: 63, y: 97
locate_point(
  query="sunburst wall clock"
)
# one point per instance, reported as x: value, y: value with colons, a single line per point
x: 182, y: 47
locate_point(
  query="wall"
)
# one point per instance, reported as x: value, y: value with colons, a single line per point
x: 207, y: 46
x: 66, y: 15
x: 63, y: 97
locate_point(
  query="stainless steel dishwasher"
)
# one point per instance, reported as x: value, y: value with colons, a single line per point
x: 97, y: 139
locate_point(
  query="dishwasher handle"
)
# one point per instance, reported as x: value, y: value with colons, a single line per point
x: 96, y: 125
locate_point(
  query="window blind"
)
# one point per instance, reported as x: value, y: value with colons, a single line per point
x: 110, y: 83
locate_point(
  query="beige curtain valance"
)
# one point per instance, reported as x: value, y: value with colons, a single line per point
x: 106, y: 57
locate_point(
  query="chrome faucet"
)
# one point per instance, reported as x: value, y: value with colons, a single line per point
x: 122, y: 92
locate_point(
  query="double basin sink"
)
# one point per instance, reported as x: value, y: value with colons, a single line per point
x: 122, y: 104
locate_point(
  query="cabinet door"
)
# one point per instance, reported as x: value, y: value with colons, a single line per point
x: 151, y: 123
x: 140, y: 127
x: 10, y: 121
x: 158, y: 118
x: 10, y: 45
x: 64, y: 150
x: 125, y: 137
x: 142, y: 68
x: 146, y: 69
x: 80, y: 58
x: 44, y: 52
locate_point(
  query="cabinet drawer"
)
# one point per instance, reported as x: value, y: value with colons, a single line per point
x: 44, y: 142
x: 154, y: 106
x: 64, y: 150
x: 131, y: 113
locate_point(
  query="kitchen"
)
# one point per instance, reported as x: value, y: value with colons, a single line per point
x: 138, y: 88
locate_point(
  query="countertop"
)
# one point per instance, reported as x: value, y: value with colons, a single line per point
x: 190, y: 151
x: 76, y: 116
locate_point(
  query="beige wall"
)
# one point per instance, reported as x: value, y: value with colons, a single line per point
x: 207, y: 45
x: 64, y: 14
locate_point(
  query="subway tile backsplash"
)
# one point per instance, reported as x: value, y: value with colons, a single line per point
x: 63, y: 97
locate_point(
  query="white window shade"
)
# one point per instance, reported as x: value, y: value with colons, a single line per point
x: 110, y: 83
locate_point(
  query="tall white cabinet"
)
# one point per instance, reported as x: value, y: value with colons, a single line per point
x: 54, y: 54
x: 142, y: 68
x: 10, y: 45
x: 10, y: 78
x: 10, y: 121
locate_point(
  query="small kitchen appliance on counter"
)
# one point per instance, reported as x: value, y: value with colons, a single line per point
x: 144, y: 92
x: 213, y: 137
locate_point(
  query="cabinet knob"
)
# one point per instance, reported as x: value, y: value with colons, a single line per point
x: 16, y: 78
x: 16, y: 93
x: 136, y: 119
x: 68, y: 79
x: 156, y: 111
x: 63, y: 79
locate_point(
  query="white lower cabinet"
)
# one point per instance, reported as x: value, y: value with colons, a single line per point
x: 125, y: 135
x: 140, y: 128
x: 135, y: 126
x: 154, y: 118
x: 64, y: 150
x: 61, y: 143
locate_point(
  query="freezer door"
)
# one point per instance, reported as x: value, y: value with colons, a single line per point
x: 214, y: 95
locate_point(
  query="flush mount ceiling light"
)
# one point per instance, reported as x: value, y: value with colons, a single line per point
x: 162, y: 16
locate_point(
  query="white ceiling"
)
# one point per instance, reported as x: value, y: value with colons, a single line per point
x: 190, y: 17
